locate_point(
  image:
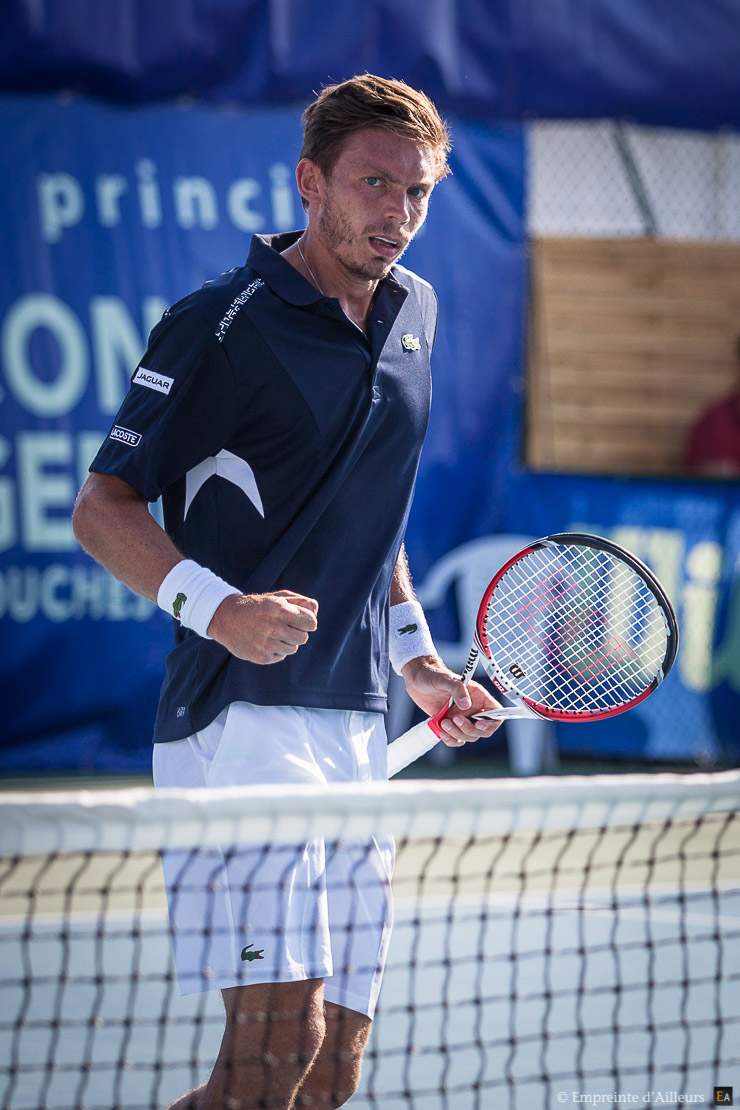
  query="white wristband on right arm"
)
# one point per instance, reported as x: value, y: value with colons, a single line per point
x: 192, y: 594
x: 409, y: 634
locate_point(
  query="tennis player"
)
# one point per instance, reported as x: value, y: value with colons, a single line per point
x: 280, y: 412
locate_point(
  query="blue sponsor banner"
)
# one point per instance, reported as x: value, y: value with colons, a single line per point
x: 688, y: 532
x: 109, y: 216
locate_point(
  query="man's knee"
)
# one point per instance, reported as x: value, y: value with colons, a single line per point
x: 335, y: 1075
x: 273, y: 1035
x: 332, y: 1081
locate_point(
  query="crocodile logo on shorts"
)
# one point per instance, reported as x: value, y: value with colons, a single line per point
x: 407, y: 628
x: 249, y: 956
x: 178, y: 604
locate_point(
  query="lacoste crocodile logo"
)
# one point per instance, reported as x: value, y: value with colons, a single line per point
x: 249, y: 956
x: 178, y: 604
x: 410, y: 342
x: 407, y: 628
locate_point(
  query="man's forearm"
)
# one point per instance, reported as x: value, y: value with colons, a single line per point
x: 113, y: 524
x: 410, y: 639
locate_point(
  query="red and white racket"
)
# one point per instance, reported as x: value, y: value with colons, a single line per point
x: 572, y: 628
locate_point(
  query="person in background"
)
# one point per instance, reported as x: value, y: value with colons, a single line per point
x: 713, y: 444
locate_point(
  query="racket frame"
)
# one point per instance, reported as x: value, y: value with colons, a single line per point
x: 503, y: 683
x: 423, y: 736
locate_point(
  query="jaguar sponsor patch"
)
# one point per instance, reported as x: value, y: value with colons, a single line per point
x: 151, y: 380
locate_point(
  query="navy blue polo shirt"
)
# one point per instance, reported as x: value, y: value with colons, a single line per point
x: 284, y: 443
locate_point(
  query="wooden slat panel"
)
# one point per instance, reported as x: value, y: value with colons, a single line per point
x: 629, y: 340
x: 607, y: 381
x: 645, y: 366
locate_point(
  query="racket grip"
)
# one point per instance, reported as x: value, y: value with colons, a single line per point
x: 410, y: 746
x: 416, y: 742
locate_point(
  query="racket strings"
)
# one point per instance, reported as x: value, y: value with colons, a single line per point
x: 576, y: 629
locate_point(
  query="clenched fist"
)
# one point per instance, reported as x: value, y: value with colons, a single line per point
x: 264, y: 628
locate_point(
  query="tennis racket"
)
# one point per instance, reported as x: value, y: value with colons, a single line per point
x: 572, y: 628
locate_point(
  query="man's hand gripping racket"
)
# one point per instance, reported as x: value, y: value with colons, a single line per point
x: 572, y: 628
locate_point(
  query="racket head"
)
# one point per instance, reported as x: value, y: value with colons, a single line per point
x: 576, y: 627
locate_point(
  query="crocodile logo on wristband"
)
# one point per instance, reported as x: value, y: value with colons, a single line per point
x: 407, y: 628
x: 178, y: 604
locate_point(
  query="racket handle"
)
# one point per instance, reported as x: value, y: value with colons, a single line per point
x: 410, y: 746
x: 416, y: 742
x: 422, y: 737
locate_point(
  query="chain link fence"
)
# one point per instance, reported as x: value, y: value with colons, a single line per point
x: 612, y: 179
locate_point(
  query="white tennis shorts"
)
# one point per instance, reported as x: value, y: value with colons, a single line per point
x: 278, y: 913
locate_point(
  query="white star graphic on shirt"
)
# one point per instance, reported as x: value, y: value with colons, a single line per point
x: 228, y: 466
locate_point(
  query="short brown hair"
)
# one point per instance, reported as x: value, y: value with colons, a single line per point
x: 370, y: 101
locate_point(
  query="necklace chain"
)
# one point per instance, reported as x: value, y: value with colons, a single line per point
x: 312, y: 275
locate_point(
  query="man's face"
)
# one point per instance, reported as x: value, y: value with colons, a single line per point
x: 374, y: 201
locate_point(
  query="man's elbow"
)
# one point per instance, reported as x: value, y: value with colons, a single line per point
x: 84, y: 515
x: 103, y: 506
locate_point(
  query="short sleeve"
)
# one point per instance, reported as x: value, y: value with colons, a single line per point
x: 181, y: 408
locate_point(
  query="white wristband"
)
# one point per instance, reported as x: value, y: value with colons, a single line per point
x: 192, y: 594
x: 409, y: 634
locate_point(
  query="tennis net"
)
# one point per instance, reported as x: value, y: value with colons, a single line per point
x: 557, y: 941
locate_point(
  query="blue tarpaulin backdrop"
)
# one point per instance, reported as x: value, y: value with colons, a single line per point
x: 670, y: 62
x: 111, y: 212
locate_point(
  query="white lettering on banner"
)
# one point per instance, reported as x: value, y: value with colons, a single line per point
x: 700, y: 595
x: 8, y: 528
x: 150, y: 201
x: 61, y: 204
x: 109, y: 188
x: 237, y: 205
x: 691, y: 577
x: 45, y: 495
x: 36, y: 507
x: 282, y: 181
x: 61, y: 592
x: 195, y: 201
x: 35, y: 393
x: 117, y: 346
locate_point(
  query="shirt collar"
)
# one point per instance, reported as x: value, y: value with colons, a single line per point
x: 265, y: 258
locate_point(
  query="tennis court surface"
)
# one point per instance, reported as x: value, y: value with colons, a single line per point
x: 555, y: 940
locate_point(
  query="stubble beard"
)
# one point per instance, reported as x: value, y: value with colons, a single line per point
x: 338, y: 238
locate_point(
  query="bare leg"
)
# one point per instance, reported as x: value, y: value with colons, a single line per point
x: 335, y: 1073
x: 272, y: 1036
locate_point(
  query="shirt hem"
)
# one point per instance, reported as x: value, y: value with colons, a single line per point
x: 305, y: 699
